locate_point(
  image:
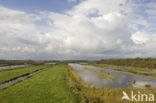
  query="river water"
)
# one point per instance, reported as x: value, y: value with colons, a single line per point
x: 122, y: 79
x: 13, y: 66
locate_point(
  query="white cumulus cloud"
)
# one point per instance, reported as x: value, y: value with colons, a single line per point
x: 93, y: 29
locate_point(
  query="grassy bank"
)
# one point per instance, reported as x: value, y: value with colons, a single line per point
x: 48, y: 86
x: 104, y: 66
x: 61, y: 84
x: 7, y: 75
x: 130, y: 68
x: 91, y: 94
x: 102, y: 75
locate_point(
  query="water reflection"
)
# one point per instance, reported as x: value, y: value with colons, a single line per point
x: 122, y: 80
x: 132, y: 71
x: 13, y: 66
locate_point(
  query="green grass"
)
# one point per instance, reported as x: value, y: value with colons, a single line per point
x: 91, y: 94
x: 7, y: 75
x: 46, y: 87
x: 102, y: 75
x: 61, y: 84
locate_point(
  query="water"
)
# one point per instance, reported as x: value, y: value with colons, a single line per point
x: 13, y: 66
x: 122, y: 79
x: 132, y: 71
x: 11, y: 82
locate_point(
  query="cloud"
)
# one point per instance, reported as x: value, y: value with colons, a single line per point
x: 100, y: 34
x: 93, y: 29
x: 140, y: 37
x: 145, y: 43
x: 102, y: 6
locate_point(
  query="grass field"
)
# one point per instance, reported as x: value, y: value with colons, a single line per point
x: 61, y: 84
x: 7, y: 75
x: 46, y: 87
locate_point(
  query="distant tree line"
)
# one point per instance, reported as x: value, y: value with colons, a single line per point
x: 36, y: 62
x: 136, y: 62
x: 19, y: 62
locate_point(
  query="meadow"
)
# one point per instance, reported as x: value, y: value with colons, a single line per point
x: 10, y: 74
x: 48, y: 86
x: 61, y: 84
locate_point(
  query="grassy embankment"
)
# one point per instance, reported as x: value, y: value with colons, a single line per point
x: 61, y: 84
x: 102, y: 75
x: 7, y: 75
x: 130, y: 68
x: 136, y: 64
x: 91, y: 94
x: 104, y: 66
x: 49, y: 86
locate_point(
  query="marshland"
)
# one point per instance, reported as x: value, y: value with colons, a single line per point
x: 77, y: 51
x: 75, y: 82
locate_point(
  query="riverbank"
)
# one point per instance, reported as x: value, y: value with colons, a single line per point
x: 8, y: 75
x: 105, y: 66
x: 92, y: 94
x: 48, y: 86
x: 61, y: 84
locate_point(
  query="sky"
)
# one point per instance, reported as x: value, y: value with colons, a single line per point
x: 77, y: 29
